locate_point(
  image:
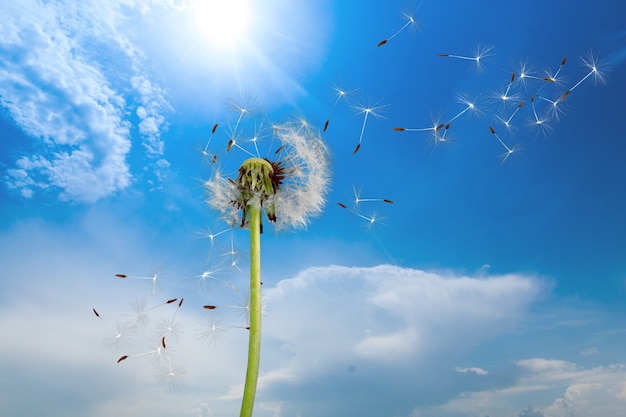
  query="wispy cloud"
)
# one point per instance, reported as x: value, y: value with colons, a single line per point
x: 596, y: 391
x: 71, y: 101
x: 474, y: 370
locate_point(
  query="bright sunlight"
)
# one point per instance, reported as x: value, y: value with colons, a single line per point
x: 224, y: 23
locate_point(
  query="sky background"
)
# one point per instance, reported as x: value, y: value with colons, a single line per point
x: 491, y: 287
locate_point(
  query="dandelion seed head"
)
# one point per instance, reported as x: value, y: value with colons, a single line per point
x: 291, y: 189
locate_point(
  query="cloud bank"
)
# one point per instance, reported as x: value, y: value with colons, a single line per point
x: 373, y: 341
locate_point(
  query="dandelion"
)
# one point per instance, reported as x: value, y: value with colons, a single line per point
x: 358, y: 199
x: 154, y: 278
x: 340, y: 93
x: 438, y: 130
x: 245, y: 105
x: 212, y: 275
x: 158, y: 354
x: 170, y: 376
x: 434, y: 128
x: 168, y: 328
x: 213, y: 328
x: 209, y: 234
x: 366, y: 110
x: 554, y: 78
x: 480, y: 53
x: 120, y: 333
x: 205, y: 152
x: 140, y: 309
x: 525, y: 73
x: 591, y: 62
x: 507, y: 122
x: 289, y: 190
x: 370, y: 220
x: 509, y: 150
x: 555, y: 107
x: 410, y: 23
x: 470, y: 105
x: 507, y: 96
x: 542, y: 123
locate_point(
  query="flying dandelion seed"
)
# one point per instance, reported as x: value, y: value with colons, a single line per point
x: 369, y: 220
x: 590, y: 61
x: 470, y: 106
x: 507, y: 122
x: 434, y: 128
x: 120, y: 333
x: 170, y: 376
x: 341, y: 94
x: 213, y: 328
x: 480, y: 54
x: 509, y: 151
x: 154, y: 279
x: 246, y: 105
x: 205, y: 152
x: 358, y: 199
x: 410, y: 23
x: 555, y: 108
x: 507, y: 96
x: 554, y: 78
x: 366, y: 111
x: 542, y: 123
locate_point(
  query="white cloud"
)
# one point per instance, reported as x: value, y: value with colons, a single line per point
x: 591, y: 351
x: 65, y: 96
x: 475, y: 370
x: 360, y: 338
x: 394, y: 320
x: 151, y: 114
x: 554, y: 388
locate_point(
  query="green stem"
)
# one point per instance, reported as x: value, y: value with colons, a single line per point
x: 254, y: 345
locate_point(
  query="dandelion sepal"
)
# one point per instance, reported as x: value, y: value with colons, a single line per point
x: 258, y: 180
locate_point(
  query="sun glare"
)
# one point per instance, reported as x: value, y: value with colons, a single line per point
x: 222, y: 22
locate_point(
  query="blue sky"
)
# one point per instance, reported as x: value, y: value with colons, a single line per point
x: 492, y: 286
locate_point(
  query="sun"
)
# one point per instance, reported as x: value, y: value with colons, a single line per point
x: 222, y: 22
